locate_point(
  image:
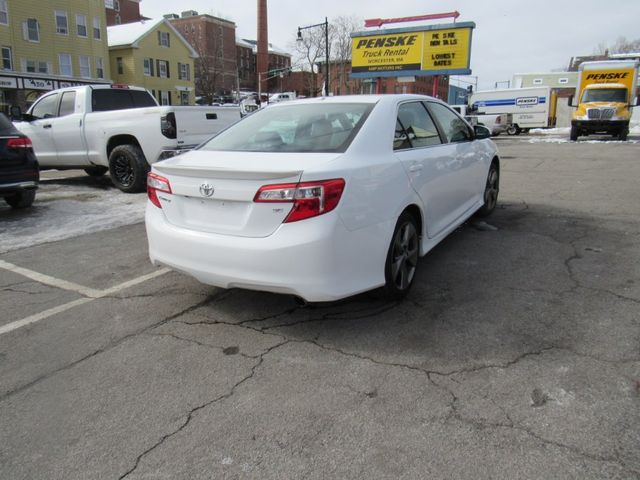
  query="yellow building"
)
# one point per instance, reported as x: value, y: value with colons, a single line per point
x: 48, y: 44
x: 152, y: 54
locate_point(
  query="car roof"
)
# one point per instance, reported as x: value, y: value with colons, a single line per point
x: 361, y: 99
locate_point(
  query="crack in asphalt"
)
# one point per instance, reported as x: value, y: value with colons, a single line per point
x: 193, y: 411
x: 202, y: 344
x: 105, y: 348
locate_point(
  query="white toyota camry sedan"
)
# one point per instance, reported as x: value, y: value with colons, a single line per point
x: 321, y: 198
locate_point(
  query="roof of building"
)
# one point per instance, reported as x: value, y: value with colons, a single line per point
x: 245, y: 42
x: 130, y: 34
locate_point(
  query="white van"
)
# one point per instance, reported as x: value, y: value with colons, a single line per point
x: 533, y: 107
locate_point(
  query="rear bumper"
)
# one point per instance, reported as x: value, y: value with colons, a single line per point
x: 16, y: 179
x: 317, y: 259
x: 172, y: 152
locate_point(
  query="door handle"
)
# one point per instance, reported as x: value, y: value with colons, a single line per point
x: 416, y: 167
x: 46, y: 125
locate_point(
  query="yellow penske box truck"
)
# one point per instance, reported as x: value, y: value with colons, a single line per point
x: 605, y: 94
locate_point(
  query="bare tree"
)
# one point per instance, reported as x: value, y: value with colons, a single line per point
x: 209, y: 67
x: 623, y: 45
x: 308, y: 50
x: 343, y: 26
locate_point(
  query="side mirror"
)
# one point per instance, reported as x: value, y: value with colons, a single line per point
x: 15, y: 113
x: 570, y: 102
x: 481, y: 132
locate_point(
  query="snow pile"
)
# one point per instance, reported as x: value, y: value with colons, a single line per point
x: 550, y: 131
x: 66, y: 208
x: 566, y: 140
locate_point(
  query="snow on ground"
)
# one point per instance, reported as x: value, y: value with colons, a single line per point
x: 68, y: 206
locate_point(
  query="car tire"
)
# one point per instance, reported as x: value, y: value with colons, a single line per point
x: 513, y: 130
x: 23, y: 199
x: 96, y: 171
x: 491, y: 190
x: 573, y: 136
x: 402, y: 257
x: 128, y: 168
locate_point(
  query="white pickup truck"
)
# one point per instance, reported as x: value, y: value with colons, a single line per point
x: 117, y: 128
x: 496, y: 123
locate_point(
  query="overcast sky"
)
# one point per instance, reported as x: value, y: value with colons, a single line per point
x: 511, y: 36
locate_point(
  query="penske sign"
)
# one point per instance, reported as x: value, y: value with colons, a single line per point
x: 442, y: 49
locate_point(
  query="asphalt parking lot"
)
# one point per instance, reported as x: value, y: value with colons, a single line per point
x: 515, y: 356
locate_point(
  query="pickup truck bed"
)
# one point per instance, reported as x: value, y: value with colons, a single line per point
x: 123, y: 130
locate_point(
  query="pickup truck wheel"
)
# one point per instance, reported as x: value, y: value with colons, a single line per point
x: 491, y: 190
x: 573, y: 136
x: 513, y: 130
x: 96, y: 171
x: 128, y: 168
x: 23, y: 199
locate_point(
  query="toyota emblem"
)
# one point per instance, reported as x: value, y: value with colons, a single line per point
x: 206, y: 189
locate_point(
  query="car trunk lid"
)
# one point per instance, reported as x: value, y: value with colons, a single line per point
x: 214, y: 192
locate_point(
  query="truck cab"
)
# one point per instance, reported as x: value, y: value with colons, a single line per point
x: 605, y: 95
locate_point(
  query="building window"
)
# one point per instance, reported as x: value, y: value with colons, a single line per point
x: 183, y: 71
x: 97, y: 31
x: 163, y: 39
x: 7, y: 58
x: 35, y: 66
x: 563, y: 80
x: 66, y: 69
x: 120, y: 65
x: 118, y: 20
x: 108, y: 4
x: 85, y: 66
x: 116, y: 5
x: 31, y: 30
x: 537, y: 81
x: 4, y: 13
x: 99, y: 68
x: 165, y: 98
x: 62, y: 24
x: 81, y: 25
x: 163, y: 69
x: 184, y: 98
x: 148, y: 67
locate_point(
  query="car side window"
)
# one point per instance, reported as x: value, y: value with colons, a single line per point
x: 414, y: 127
x: 455, y: 128
x: 67, y: 104
x: 46, y: 107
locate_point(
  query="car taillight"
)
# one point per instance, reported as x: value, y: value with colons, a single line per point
x: 155, y: 184
x: 309, y: 199
x: 19, y: 143
x: 168, y: 125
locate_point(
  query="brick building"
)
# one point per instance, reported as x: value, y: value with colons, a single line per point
x: 122, y: 11
x: 279, y: 60
x: 214, y: 39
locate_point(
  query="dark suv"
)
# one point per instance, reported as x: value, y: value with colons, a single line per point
x: 19, y: 173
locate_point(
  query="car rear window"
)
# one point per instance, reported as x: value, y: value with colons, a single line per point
x: 300, y: 127
x: 107, y: 99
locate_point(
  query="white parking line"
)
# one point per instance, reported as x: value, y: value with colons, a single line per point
x: 51, y: 281
x: 90, y: 294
